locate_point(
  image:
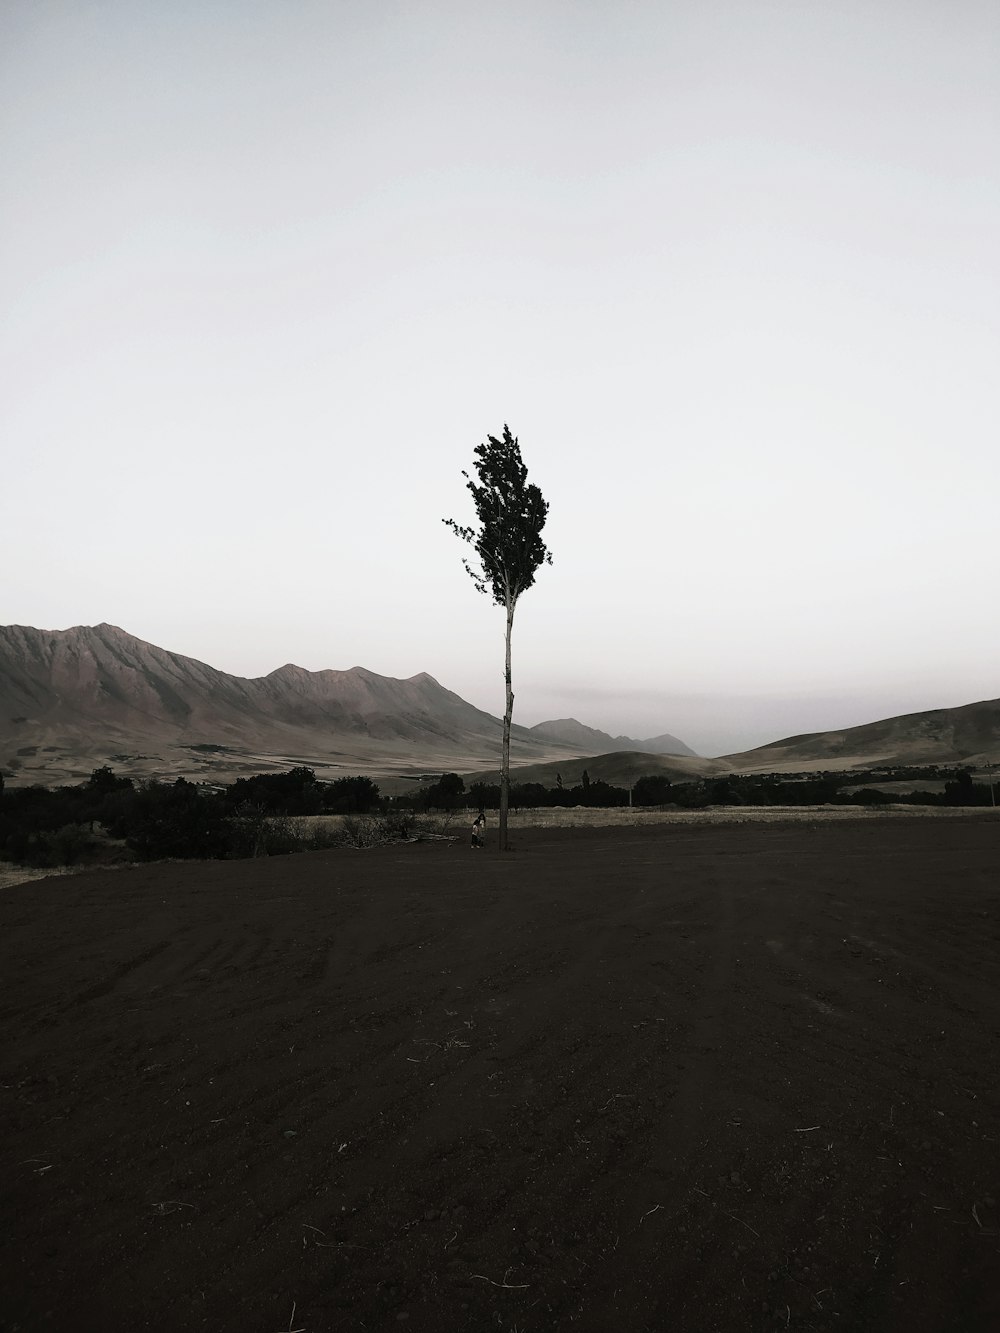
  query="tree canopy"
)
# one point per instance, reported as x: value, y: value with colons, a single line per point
x: 511, y: 513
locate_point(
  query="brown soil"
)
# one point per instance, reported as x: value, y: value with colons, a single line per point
x: 659, y: 1078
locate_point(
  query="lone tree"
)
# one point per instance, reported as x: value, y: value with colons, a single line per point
x: 508, y: 542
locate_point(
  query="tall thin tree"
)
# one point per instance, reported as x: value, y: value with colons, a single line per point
x: 508, y: 542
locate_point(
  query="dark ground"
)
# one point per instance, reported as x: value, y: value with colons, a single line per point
x: 733, y: 1078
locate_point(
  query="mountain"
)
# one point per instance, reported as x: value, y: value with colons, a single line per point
x: 570, y: 732
x: 71, y: 700
x: 968, y: 734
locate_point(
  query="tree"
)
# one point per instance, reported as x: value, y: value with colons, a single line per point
x: 351, y: 796
x: 447, y: 793
x: 508, y: 543
x: 105, y: 780
x: 484, y: 796
x: 652, y: 789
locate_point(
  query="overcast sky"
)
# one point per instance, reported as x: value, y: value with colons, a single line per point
x: 269, y: 272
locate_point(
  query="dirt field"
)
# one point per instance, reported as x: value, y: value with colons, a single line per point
x: 670, y: 1077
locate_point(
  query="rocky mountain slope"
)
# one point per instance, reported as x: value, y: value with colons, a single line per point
x: 73, y: 699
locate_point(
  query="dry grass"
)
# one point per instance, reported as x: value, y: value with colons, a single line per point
x: 588, y: 817
x: 11, y: 874
x: 629, y: 817
x: 619, y: 816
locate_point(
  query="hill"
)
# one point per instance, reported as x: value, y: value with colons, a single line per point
x: 968, y: 734
x: 571, y: 732
x: 621, y: 769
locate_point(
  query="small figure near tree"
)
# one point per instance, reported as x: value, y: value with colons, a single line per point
x: 508, y: 542
x: 479, y: 830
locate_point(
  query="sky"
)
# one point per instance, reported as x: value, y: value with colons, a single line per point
x: 269, y: 272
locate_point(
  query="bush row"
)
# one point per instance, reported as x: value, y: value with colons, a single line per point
x: 255, y: 816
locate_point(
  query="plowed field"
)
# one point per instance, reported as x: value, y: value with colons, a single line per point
x: 661, y: 1078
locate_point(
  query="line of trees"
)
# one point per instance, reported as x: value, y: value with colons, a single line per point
x: 71, y: 825
x: 449, y: 792
x: 252, y: 816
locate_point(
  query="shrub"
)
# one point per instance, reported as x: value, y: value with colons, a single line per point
x: 175, y: 821
x: 351, y: 796
x: 253, y: 832
x: 872, y: 796
x: 399, y: 823
x: 363, y: 831
x: 324, y: 833
x: 395, y: 826
x: 65, y: 846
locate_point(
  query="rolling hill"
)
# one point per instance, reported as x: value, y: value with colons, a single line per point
x: 968, y: 734
x: 620, y: 769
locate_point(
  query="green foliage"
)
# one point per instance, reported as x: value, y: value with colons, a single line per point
x: 724, y: 792
x: 963, y: 791
x: 511, y: 514
x: 446, y: 794
x: 176, y: 820
x: 293, y: 793
x: 872, y: 796
x: 68, y: 845
x: 158, y: 820
x: 509, y: 545
x: 103, y: 781
x: 652, y: 789
x: 351, y: 796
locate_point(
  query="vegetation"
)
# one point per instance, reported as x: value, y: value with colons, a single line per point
x: 110, y: 816
x: 508, y: 542
x: 657, y: 791
x: 152, y: 820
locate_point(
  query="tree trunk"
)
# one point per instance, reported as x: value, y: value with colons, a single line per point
x: 505, y: 759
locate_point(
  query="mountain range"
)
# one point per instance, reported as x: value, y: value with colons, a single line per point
x: 568, y: 731
x: 73, y: 700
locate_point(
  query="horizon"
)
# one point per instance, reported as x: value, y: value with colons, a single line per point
x: 730, y: 275
x: 638, y: 734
